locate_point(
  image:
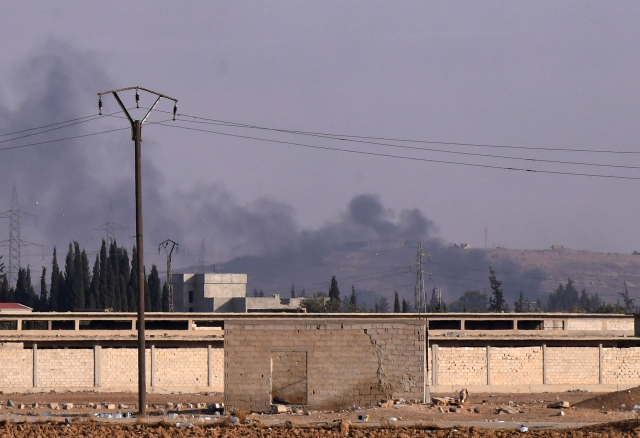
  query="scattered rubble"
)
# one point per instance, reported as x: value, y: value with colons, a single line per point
x: 559, y: 405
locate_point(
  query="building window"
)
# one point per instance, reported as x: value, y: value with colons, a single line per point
x: 191, y: 309
x: 190, y: 297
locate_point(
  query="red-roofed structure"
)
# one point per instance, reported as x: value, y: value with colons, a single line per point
x: 14, y: 308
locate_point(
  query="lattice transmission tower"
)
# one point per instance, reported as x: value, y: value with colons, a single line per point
x: 15, y: 242
x: 419, y: 293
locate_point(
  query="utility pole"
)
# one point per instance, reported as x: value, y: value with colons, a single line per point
x: 166, y: 244
x: 136, y: 136
x: 419, y: 293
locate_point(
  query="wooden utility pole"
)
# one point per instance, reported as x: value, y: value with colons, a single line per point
x: 136, y: 136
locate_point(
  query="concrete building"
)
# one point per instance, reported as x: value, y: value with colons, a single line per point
x: 224, y: 293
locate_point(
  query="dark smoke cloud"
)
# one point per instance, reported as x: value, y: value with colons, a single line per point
x: 74, y: 182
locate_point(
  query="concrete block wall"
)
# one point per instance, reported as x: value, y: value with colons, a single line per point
x: 572, y: 365
x: 621, y: 365
x: 348, y: 362
x: 119, y: 368
x: 65, y: 368
x: 111, y: 369
x: 462, y: 365
x: 16, y: 368
x: 516, y: 365
x: 597, y: 324
x: 180, y: 367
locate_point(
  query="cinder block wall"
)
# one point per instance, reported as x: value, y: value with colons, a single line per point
x: 16, y: 368
x: 349, y: 362
x: 573, y: 365
x: 111, y: 369
x: 516, y: 366
x: 598, y: 324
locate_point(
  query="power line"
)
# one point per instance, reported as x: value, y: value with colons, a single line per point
x: 61, y: 139
x: 450, y: 143
x: 73, y: 137
x: 476, y: 154
x: 49, y: 130
x: 377, y: 154
x: 46, y: 126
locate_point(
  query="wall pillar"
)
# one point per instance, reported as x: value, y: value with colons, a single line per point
x: 434, y: 364
x: 488, y: 365
x: 153, y: 374
x: 35, y: 365
x: 97, y: 366
x: 209, y: 366
x: 600, y: 364
x: 544, y: 364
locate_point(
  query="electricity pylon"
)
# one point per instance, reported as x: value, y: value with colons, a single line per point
x: 15, y: 242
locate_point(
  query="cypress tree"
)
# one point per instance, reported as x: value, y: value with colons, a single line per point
x: 65, y: 300
x: 353, y: 303
x: 104, y: 295
x: 94, y: 287
x: 165, y: 297
x: 77, y: 280
x: 86, y: 278
x: 293, y: 291
x: 132, y: 287
x: 4, y: 289
x: 334, y: 292
x: 55, y: 283
x: 123, y: 277
x: 396, y: 303
x: 405, y: 306
x: 497, y: 303
x: 155, y: 294
x: 44, y: 302
x: 147, y: 293
x: 21, y: 293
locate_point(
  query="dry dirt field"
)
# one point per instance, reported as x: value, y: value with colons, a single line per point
x: 618, y: 411
x: 610, y: 430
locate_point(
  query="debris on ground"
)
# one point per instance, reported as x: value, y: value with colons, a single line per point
x: 559, y: 405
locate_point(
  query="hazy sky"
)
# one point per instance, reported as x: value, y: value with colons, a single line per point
x: 552, y: 74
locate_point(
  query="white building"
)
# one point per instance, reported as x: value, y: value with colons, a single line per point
x: 224, y: 293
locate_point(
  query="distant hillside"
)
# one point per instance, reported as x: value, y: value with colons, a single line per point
x: 376, y: 269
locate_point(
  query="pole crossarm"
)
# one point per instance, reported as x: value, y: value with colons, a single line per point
x: 138, y: 88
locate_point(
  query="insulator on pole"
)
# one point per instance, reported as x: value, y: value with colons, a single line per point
x: 175, y: 110
x: 137, y: 99
x: 100, y: 105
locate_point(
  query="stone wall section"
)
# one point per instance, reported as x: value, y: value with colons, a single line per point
x: 621, y: 365
x: 462, y: 366
x: 516, y: 366
x: 348, y: 362
x: 65, y: 368
x: 16, y: 368
x: 573, y: 365
x: 180, y: 367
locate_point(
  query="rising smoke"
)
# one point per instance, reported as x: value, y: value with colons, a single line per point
x: 74, y: 181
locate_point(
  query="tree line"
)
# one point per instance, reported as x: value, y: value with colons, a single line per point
x: 111, y: 284
x: 565, y: 298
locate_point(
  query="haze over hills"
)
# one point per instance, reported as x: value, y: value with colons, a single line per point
x: 378, y: 268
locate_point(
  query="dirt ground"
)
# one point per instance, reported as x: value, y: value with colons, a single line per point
x: 59, y: 430
x: 526, y: 408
